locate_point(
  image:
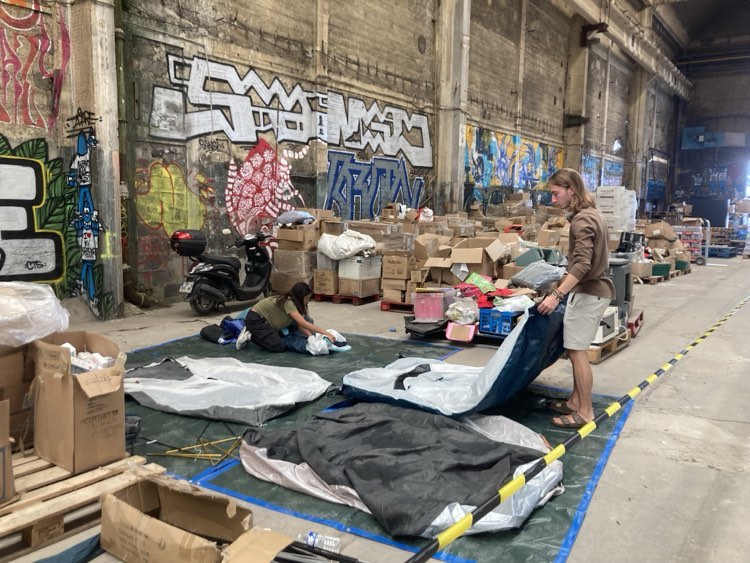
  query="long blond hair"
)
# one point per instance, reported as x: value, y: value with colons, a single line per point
x: 569, y: 178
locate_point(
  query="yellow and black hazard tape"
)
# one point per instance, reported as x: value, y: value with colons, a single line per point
x: 451, y: 534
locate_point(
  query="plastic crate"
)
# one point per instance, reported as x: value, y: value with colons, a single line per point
x: 661, y: 269
x: 492, y: 321
x: 681, y: 265
x: 429, y: 307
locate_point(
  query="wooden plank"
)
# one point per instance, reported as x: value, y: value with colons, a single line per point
x: 31, y: 467
x: 53, y: 482
x: 597, y: 354
x: 31, y: 514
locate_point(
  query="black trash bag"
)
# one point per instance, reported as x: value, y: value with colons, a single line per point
x: 217, y: 334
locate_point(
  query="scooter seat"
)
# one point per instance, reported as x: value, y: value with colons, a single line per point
x: 232, y: 261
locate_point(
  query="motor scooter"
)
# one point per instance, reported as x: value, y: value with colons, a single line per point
x: 214, y: 280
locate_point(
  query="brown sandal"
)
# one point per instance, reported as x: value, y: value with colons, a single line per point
x: 559, y: 406
x: 573, y: 420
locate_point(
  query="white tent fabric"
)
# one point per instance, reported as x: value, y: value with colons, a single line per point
x: 448, y: 389
x: 225, y: 389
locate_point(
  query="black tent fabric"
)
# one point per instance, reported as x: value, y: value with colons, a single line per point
x: 406, y: 466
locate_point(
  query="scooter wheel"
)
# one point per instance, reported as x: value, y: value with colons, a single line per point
x: 204, y: 304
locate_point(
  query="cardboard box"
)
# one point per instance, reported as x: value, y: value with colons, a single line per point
x: 439, y: 269
x: 281, y: 283
x: 298, y: 237
x: 326, y: 282
x: 333, y: 227
x: 510, y: 270
x: 318, y: 213
x: 360, y: 267
x: 162, y: 520
x: 641, y: 269
x: 393, y: 295
x: 396, y: 267
x: 294, y: 262
x: 550, y: 238
x: 660, y: 230
x: 479, y: 254
x: 359, y: 287
x: 14, y: 381
x: 79, y: 418
x: 7, y: 489
x: 387, y: 284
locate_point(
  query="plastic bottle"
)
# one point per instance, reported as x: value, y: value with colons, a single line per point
x: 315, y: 539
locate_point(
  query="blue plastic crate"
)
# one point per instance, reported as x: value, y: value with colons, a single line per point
x: 492, y: 321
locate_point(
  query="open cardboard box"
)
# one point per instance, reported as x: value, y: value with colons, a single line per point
x: 79, y: 418
x: 163, y: 520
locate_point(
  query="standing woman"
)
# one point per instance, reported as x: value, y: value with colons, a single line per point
x: 591, y: 291
x: 268, y: 317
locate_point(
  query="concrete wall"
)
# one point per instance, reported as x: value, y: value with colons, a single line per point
x: 243, y: 116
x: 59, y: 216
x: 229, y: 114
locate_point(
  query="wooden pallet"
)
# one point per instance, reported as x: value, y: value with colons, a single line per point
x: 52, y: 503
x: 396, y: 306
x: 635, y: 322
x: 599, y: 353
x: 651, y: 279
x: 673, y: 274
x: 354, y: 300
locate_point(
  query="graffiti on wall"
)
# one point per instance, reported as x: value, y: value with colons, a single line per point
x: 591, y: 170
x: 163, y: 199
x: 613, y: 173
x: 294, y: 115
x: 28, y: 50
x: 359, y: 189
x: 39, y: 237
x: 86, y: 217
x: 26, y: 252
x: 260, y: 187
x: 493, y: 160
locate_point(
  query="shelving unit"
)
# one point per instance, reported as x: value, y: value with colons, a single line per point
x: 691, y: 237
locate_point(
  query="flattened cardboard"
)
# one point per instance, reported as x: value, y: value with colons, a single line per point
x: 79, y: 419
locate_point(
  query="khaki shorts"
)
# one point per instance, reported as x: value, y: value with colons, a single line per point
x: 583, y: 314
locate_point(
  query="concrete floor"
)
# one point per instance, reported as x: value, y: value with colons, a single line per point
x: 676, y: 486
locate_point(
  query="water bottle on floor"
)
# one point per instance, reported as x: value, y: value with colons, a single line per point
x: 315, y: 539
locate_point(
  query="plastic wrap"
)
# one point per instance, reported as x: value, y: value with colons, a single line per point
x: 463, y: 311
x: 30, y: 311
x: 539, y: 276
x: 348, y: 243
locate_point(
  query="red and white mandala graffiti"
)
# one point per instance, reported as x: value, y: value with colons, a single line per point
x: 260, y: 188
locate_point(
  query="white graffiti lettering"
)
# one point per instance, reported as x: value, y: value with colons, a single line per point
x: 25, y: 254
x: 299, y: 116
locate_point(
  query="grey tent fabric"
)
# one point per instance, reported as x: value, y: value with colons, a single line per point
x: 222, y: 388
x: 415, y: 472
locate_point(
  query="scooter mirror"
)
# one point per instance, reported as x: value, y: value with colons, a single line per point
x: 226, y: 232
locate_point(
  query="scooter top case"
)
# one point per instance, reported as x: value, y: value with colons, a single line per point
x: 188, y: 242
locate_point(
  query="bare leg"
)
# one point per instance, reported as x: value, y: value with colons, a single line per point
x: 583, y: 383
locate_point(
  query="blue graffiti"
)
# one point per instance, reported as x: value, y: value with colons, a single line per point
x: 361, y: 188
x: 79, y: 175
x: 85, y: 222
